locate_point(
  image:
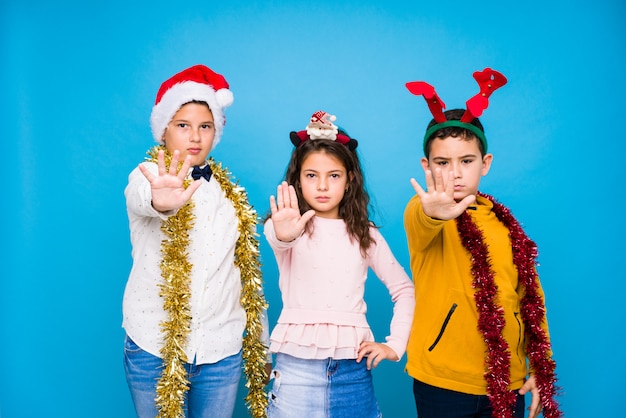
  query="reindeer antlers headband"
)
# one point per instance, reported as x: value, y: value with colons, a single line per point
x: 488, y: 80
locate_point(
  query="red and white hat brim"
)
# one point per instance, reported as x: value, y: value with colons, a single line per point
x: 183, y: 93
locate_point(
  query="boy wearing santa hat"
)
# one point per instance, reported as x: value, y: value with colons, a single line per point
x: 193, y: 308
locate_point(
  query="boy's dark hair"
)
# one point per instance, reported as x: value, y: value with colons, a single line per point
x: 454, y: 131
x: 354, y: 207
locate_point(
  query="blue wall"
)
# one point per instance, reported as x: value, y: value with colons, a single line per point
x: 77, y: 83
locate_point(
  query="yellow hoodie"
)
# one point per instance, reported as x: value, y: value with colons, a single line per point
x: 445, y: 348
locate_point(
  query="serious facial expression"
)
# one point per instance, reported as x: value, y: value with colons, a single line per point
x: 191, y: 132
x: 323, y: 179
x: 463, y: 158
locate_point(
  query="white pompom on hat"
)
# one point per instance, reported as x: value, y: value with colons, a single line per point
x: 197, y: 83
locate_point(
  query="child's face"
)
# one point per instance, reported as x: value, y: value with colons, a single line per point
x: 191, y: 132
x: 323, y: 179
x: 463, y: 158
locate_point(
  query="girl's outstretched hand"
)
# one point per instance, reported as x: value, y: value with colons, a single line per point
x: 168, y: 190
x: 288, y: 223
x: 375, y: 353
x: 438, y: 201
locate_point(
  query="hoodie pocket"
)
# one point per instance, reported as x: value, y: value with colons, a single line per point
x: 442, y: 330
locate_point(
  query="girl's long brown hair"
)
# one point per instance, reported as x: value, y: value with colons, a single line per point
x: 354, y: 207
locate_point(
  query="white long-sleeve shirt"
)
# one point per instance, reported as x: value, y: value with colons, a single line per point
x: 217, y: 318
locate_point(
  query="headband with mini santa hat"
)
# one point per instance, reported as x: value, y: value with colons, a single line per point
x: 488, y: 81
x: 321, y: 126
x: 196, y: 83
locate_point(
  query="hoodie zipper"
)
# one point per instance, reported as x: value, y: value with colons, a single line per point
x: 443, y: 327
x: 519, y: 335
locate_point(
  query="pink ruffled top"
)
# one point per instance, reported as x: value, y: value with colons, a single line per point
x: 322, y: 282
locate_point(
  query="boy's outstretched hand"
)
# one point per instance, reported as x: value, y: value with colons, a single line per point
x: 288, y: 223
x: 535, y: 405
x: 438, y: 201
x: 375, y: 353
x: 168, y: 190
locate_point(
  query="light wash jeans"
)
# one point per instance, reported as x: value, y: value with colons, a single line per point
x: 212, y: 392
x: 321, y: 389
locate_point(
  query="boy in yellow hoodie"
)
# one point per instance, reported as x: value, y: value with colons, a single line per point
x: 479, y: 340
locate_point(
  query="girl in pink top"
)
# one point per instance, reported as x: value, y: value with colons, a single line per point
x: 324, y: 244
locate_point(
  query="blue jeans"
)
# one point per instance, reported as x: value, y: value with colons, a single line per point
x: 212, y: 391
x: 321, y: 389
x: 434, y: 402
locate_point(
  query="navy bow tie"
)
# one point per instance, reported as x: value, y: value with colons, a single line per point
x: 201, y: 172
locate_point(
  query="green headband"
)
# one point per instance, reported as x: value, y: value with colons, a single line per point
x: 458, y: 124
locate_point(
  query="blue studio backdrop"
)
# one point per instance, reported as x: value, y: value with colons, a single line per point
x: 77, y: 84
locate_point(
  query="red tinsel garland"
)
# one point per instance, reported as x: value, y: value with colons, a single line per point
x: 491, y: 316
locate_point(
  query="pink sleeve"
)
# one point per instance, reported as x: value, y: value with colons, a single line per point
x: 277, y: 245
x: 401, y: 289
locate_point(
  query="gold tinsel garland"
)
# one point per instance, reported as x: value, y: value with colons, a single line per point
x: 175, y: 291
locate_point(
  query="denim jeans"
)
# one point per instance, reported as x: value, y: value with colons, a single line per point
x: 321, y: 389
x: 434, y: 402
x: 212, y: 391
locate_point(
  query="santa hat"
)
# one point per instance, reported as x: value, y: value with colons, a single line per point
x: 198, y: 83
